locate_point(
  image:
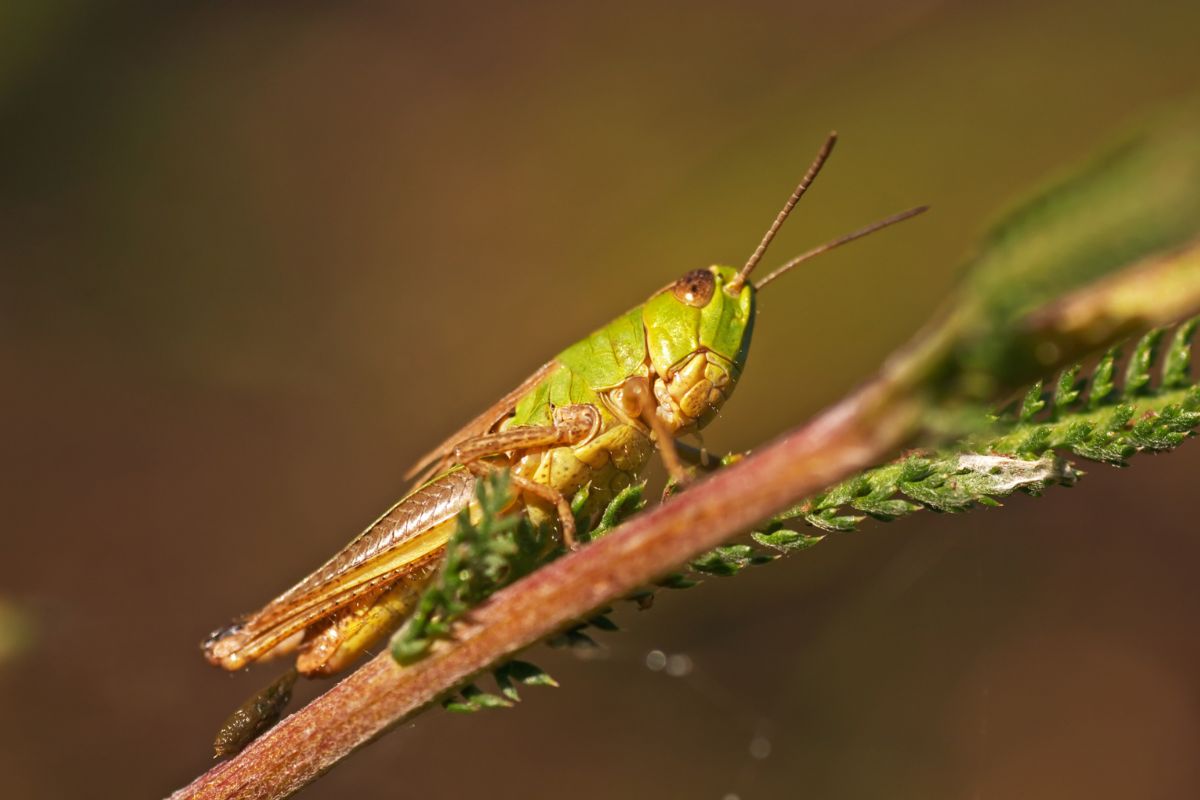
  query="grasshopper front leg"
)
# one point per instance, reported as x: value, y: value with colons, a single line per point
x: 637, y: 400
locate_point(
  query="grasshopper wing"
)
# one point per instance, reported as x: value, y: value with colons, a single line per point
x: 411, y: 534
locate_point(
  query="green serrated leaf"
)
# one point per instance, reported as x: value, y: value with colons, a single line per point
x: 1141, y: 362
x: 1035, y: 443
x: 1067, y: 391
x: 456, y: 705
x: 1102, y: 385
x: 505, y: 684
x: 481, y: 699
x: 408, y: 650
x: 882, y: 509
x: 785, y: 540
x: 627, y: 502
x: 1033, y: 403
x: 529, y: 674
x: 830, y: 520
x: 1176, y: 372
x: 915, y: 468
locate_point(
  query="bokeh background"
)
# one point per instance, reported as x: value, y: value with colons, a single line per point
x: 258, y: 257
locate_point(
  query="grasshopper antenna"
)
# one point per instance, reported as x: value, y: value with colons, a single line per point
x: 841, y: 240
x: 735, y: 285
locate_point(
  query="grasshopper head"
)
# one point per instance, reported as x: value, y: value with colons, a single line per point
x: 698, y: 333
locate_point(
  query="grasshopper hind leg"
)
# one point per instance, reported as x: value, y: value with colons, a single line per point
x: 359, y: 627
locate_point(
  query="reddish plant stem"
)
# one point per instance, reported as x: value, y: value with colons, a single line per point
x: 856, y: 433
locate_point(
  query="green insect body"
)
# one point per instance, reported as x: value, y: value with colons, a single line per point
x: 683, y: 349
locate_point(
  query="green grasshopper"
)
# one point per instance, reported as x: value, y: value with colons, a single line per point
x: 591, y: 416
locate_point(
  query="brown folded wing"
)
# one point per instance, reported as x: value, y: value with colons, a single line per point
x: 409, y: 535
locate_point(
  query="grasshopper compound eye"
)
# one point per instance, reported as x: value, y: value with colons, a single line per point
x: 696, y: 288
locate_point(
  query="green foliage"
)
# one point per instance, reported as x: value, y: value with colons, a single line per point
x: 1068, y: 389
x: 628, y: 502
x: 1176, y: 363
x: 1116, y: 421
x: 1102, y: 379
x: 728, y: 560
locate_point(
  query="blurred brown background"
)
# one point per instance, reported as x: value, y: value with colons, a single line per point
x: 258, y: 257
